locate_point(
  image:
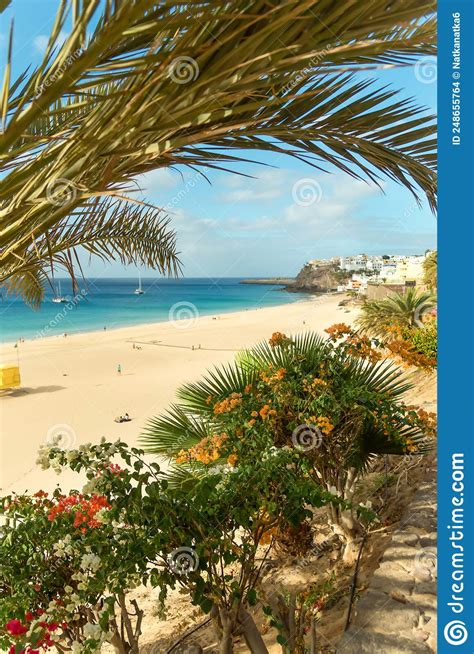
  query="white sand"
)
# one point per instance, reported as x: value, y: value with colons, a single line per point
x: 72, y: 384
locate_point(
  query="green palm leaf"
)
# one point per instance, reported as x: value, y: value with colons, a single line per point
x: 103, y: 108
x: 404, y: 310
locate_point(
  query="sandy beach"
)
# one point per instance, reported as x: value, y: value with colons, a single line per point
x: 71, y: 385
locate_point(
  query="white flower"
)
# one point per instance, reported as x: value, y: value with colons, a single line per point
x: 90, y: 486
x: 102, y: 515
x: 92, y: 631
x: 68, y: 589
x: 43, y: 457
x: 90, y: 562
x: 76, y: 647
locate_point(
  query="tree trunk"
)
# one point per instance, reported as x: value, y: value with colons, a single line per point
x: 118, y: 644
x: 225, y: 622
x: 226, y: 645
x: 252, y: 636
x: 345, y: 523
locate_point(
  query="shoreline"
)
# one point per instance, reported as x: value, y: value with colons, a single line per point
x: 72, y: 385
x: 35, y: 339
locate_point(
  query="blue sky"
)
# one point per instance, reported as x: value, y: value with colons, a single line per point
x: 264, y: 226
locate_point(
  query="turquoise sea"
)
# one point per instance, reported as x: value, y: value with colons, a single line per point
x: 112, y: 303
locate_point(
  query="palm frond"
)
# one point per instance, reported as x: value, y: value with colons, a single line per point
x: 29, y: 284
x: 108, y: 228
x: 104, y: 106
x: 310, y: 348
x: 430, y: 270
x: 176, y: 430
x: 217, y: 384
x: 404, y: 310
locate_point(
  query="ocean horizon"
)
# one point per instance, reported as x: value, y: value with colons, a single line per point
x: 112, y: 303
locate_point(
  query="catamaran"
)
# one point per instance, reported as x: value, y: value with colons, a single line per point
x: 139, y: 290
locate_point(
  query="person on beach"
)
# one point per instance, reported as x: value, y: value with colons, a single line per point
x: 119, y: 369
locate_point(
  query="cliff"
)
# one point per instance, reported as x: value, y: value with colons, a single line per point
x: 312, y: 278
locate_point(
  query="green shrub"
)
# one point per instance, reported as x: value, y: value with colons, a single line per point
x: 425, y: 339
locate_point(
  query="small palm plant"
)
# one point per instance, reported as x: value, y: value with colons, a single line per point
x: 396, y: 310
x: 337, y: 411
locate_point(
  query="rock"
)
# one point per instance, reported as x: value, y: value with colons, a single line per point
x: 397, y: 614
x: 429, y: 540
x: 426, y: 602
x: 316, y: 278
x: 357, y: 642
x: 422, y: 574
x: 421, y: 635
x: 406, y: 539
x: 390, y: 577
x: 398, y: 596
x: 425, y: 588
x: 378, y: 612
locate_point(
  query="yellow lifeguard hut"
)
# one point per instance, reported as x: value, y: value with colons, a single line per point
x: 9, y: 377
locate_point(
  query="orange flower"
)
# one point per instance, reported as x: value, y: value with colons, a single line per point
x: 229, y: 403
x: 324, y: 424
x: 264, y: 411
x: 232, y: 459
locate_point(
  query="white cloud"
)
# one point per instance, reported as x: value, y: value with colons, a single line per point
x: 40, y: 42
x: 285, y: 234
x: 267, y: 184
x: 160, y: 179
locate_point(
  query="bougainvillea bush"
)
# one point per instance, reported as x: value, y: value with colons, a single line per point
x: 331, y: 402
x: 72, y: 559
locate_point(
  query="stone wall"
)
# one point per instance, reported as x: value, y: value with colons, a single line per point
x: 397, y: 613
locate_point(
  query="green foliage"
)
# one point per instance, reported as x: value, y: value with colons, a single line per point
x: 430, y: 270
x: 73, y: 558
x: 69, y: 560
x: 396, y: 310
x: 330, y: 411
x: 425, y: 339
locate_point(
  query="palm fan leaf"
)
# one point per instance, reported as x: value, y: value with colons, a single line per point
x: 217, y: 384
x: 404, y: 310
x: 310, y: 348
x: 177, y: 429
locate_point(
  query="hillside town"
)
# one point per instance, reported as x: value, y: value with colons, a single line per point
x: 357, y: 273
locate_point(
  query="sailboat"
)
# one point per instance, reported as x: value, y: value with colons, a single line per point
x: 58, y: 297
x: 139, y: 290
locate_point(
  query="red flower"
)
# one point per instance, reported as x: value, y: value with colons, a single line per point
x: 15, y: 628
x: 29, y: 616
x: 83, y: 510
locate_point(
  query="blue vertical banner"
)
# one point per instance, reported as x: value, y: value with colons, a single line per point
x: 456, y: 326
